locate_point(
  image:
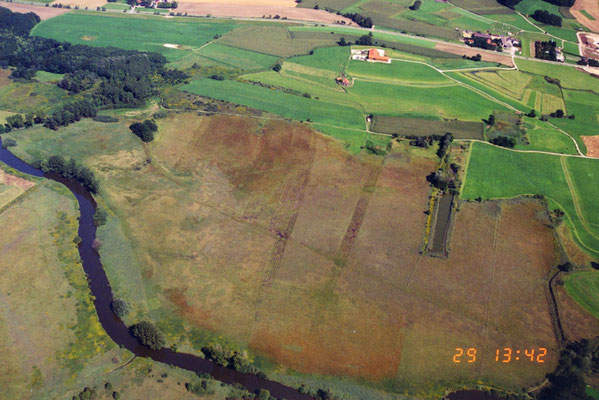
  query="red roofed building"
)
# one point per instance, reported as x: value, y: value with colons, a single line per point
x: 375, y: 55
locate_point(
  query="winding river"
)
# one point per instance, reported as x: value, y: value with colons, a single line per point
x: 102, y: 292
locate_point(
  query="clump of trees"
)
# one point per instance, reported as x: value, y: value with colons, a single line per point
x: 546, y: 50
x: 577, y: 360
x: 364, y: 22
x: 120, y: 307
x: 71, y: 170
x: 504, y: 141
x: 148, y: 335
x: 477, y: 57
x: 145, y: 130
x: 100, y: 217
x: 509, y: 3
x: 546, y: 17
x: 416, y: 5
x: 70, y: 113
x: 444, y: 144
x: 233, y: 359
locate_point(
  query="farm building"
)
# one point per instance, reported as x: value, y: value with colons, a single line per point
x: 371, y: 55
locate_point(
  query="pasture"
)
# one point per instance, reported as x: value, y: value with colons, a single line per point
x: 567, y: 183
x: 482, y: 7
x: 115, y: 30
x: 583, y: 287
x: 246, y: 204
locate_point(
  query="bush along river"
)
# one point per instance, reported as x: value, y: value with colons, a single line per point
x: 118, y: 331
x: 102, y: 292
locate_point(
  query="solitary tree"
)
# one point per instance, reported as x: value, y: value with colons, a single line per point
x: 148, y: 335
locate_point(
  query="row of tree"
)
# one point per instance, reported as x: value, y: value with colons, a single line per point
x: 364, y: 22
x: 509, y: 3
x: 562, y: 3
x: 71, y: 170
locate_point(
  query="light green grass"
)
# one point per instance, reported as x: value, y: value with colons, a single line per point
x: 330, y: 58
x: 397, y: 72
x: 584, y: 288
x: 277, y: 102
x: 532, y: 173
x: 528, y: 7
x: 43, y: 76
x: 147, y: 33
x: 224, y: 56
x: 543, y: 137
x: 593, y: 392
x: 116, y: 6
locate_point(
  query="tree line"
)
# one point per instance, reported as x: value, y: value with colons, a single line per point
x: 71, y: 170
x: 20, y: 24
x: 546, y: 17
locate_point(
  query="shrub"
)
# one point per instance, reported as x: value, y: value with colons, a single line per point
x: 119, y: 307
x: 504, y: 141
x: 416, y: 5
x: 277, y: 67
x: 6, y: 143
x: 148, y: 335
x: 145, y: 130
x: 100, y: 217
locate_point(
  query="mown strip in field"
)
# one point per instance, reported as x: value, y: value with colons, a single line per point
x: 427, y: 127
x: 277, y: 102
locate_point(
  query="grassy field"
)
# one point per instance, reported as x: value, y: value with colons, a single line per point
x: 43, y: 356
x: 566, y: 182
x: 22, y: 97
x: 482, y: 7
x: 246, y: 204
x: 115, y: 30
x: 216, y: 55
x: 545, y: 138
x: 583, y: 287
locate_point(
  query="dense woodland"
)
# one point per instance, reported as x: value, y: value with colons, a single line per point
x: 108, y: 77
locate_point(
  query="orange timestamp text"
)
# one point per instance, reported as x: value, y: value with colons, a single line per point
x: 504, y: 355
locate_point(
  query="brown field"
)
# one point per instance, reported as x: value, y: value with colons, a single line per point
x: 237, y: 3
x: 590, y: 6
x: 468, y: 51
x: 91, y: 4
x: 4, y: 74
x: 592, y: 144
x: 11, y: 187
x: 255, y: 9
x: 273, y: 236
x: 43, y: 12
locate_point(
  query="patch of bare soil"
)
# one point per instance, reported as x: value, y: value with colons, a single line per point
x: 592, y: 144
x: 591, y: 7
x: 43, y: 12
x: 467, y: 51
x: 252, y: 10
x: 91, y: 4
x: 10, y: 180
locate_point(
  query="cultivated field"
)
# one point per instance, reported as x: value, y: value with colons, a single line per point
x: 486, y: 56
x: 590, y: 16
x: 91, y: 4
x: 254, y: 9
x: 43, y: 12
x: 592, y: 144
x: 424, y: 127
x: 482, y: 7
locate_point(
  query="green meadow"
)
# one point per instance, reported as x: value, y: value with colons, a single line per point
x: 569, y: 183
x: 144, y: 33
x: 583, y: 287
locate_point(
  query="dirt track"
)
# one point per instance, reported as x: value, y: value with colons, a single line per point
x: 245, y: 10
x: 592, y: 144
x: 460, y: 50
x: 43, y: 12
x: 591, y: 7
